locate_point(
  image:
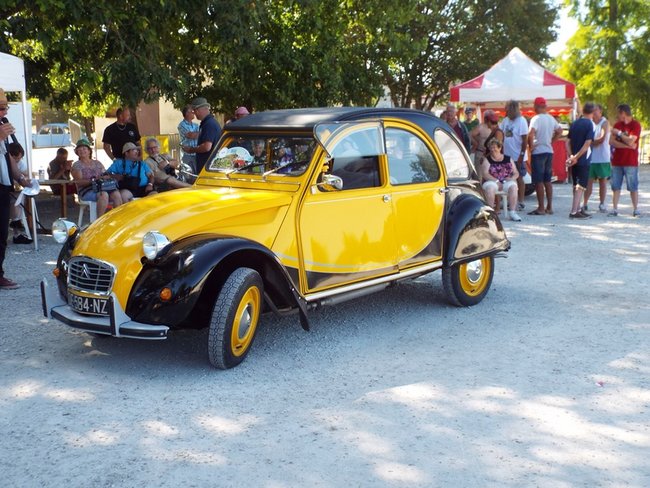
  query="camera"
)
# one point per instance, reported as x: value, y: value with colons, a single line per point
x: 170, y: 170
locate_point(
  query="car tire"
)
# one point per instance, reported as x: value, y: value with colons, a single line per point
x: 235, y: 317
x: 466, y: 284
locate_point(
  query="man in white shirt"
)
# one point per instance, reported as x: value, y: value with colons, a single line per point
x: 544, y: 129
x: 515, y: 143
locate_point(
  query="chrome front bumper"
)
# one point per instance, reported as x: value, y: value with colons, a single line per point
x: 117, y: 324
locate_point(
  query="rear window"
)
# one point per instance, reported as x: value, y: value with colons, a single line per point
x: 453, y: 156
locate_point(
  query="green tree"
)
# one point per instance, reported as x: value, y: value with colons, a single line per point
x: 609, y: 55
x: 422, y: 46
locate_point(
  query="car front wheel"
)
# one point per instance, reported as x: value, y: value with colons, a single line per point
x: 467, y: 284
x: 234, y: 318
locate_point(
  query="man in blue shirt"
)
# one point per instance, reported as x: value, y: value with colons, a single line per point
x: 209, y: 133
x: 581, y: 135
x: 189, y: 133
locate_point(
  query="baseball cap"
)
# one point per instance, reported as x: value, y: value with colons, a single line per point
x: 128, y: 146
x: 490, y: 115
x: 540, y: 102
x: 242, y: 111
x: 469, y: 109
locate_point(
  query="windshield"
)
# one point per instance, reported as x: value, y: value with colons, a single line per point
x: 256, y: 154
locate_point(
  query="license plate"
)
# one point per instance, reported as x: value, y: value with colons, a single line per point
x: 86, y: 305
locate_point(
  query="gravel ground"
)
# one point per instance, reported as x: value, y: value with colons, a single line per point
x: 545, y: 383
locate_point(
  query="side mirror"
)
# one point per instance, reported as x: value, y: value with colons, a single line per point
x: 330, y: 180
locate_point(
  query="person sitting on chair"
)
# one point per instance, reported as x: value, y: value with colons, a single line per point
x: 500, y: 174
x: 59, y: 169
x: 85, y: 172
x: 163, y: 166
x: 16, y: 153
x: 134, y: 176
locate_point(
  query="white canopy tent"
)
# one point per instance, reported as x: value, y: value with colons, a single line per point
x: 12, y: 79
x: 517, y: 77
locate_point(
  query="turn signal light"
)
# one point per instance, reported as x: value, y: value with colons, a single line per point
x: 165, y: 294
x: 56, y: 272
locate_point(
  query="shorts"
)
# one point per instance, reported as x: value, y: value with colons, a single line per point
x: 600, y: 170
x: 87, y: 194
x: 580, y: 174
x: 493, y: 184
x: 541, y: 168
x: 631, y: 174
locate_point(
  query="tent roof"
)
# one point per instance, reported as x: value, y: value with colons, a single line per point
x: 12, y: 73
x: 515, y: 77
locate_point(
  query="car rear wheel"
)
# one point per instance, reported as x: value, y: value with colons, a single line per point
x: 467, y: 284
x: 234, y: 318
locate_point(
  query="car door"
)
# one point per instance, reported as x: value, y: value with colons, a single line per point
x: 44, y: 137
x: 418, y: 195
x: 346, y: 231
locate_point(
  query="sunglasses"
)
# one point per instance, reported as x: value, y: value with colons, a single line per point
x: 4, y: 108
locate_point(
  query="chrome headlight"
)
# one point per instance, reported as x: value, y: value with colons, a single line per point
x: 152, y: 243
x: 62, y: 229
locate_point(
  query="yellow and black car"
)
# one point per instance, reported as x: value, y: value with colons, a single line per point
x: 295, y: 209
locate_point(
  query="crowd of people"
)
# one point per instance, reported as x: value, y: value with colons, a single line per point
x: 596, y: 152
x: 500, y: 149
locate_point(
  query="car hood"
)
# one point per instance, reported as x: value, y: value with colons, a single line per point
x: 253, y: 214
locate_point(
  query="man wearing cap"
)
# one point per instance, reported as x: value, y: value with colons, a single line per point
x: 9, y: 171
x: 209, y: 133
x: 471, y: 122
x: 241, y: 112
x: 119, y: 133
x: 188, y: 131
x: 544, y: 129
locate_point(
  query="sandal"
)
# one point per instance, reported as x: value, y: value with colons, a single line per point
x: 537, y: 212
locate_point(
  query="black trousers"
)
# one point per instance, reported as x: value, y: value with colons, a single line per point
x: 5, y: 207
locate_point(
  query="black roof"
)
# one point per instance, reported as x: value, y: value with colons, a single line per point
x: 307, y: 118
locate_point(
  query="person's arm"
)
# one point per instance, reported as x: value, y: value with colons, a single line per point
x: 573, y: 159
x: 109, y: 150
x: 515, y: 173
x: 531, y: 138
x: 557, y: 133
x: 601, y: 137
x: 622, y: 141
x: 485, y: 171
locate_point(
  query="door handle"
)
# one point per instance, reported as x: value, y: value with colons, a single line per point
x: 444, y: 190
x: 386, y: 198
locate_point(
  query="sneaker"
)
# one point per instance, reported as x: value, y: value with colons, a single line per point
x: 16, y: 224
x: 602, y: 208
x: 636, y: 213
x: 613, y: 213
x: 578, y: 215
x: 7, y: 284
x: 521, y: 206
x: 513, y: 216
x: 583, y: 212
x: 584, y: 209
x: 22, y: 239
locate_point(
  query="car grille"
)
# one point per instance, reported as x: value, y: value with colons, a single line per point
x: 89, y: 275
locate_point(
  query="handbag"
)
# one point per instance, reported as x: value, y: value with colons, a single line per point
x: 107, y: 185
x: 130, y: 182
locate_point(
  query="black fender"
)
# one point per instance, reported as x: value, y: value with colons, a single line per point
x: 194, y: 269
x: 473, y: 230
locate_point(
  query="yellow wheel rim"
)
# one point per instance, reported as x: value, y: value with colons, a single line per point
x: 474, y: 276
x: 245, y: 321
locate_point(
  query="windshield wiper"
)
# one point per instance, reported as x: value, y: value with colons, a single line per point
x: 245, y: 167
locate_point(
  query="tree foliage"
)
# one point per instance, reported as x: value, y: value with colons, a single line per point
x: 609, y: 55
x: 263, y: 53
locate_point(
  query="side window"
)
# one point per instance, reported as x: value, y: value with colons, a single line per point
x: 355, y: 159
x: 409, y: 159
x: 45, y: 131
x: 456, y: 164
